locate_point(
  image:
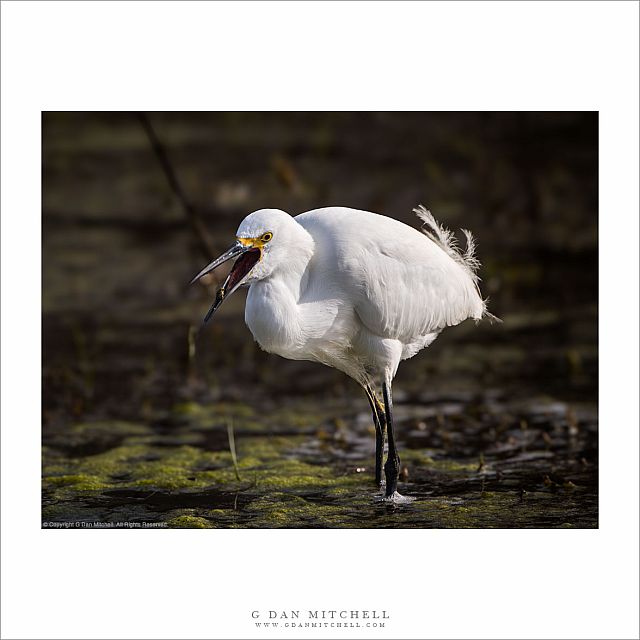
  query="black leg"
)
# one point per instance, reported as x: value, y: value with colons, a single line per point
x: 379, y: 421
x: 392, y: 466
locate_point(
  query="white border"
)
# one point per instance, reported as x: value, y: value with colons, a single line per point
x: 319, y: 56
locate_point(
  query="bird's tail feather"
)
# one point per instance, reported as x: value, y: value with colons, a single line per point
x: 448, y: 243
x: 489, y: 316
x: 466, y: 259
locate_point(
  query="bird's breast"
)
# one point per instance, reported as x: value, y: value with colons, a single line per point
x: 317, y: 329
x: 271, y: 315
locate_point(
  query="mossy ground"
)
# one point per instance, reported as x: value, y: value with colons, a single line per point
x: 297, y: 469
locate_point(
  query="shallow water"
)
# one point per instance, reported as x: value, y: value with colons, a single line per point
x: 300, y: 468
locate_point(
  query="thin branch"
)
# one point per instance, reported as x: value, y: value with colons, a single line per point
x: 195, y: 222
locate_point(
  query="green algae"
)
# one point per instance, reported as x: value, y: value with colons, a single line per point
x: 300, y: 417
x: 141, y: 464
x: 182, y: 467
x: 282, y: 510
x: 292, y: 475
x: 110, y: 426
x: 80, y: 482
x: 220, y: 409
x: 189, y: 522
x: 498, y: 510
x: 420, y: 458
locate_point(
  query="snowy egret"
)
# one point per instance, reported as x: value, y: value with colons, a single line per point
x: 353, y: 290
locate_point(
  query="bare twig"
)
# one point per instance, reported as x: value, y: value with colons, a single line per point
x: 195, y: 222
x: 232, y: 448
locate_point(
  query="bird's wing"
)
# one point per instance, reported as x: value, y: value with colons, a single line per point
x: 402, y: 283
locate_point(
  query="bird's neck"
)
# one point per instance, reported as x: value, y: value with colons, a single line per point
x: 293, y: 272
x: 273, y: 305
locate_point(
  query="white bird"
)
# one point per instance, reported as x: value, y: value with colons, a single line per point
x: 353, y: 290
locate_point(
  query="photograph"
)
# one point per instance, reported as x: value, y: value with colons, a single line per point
x: 320, y: 319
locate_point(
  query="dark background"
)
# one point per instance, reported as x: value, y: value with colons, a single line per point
x: 118, y: 250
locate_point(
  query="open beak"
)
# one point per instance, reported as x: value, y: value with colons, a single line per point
x: 247, y: 257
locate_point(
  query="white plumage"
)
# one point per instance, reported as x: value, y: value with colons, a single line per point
x: 354, y: 290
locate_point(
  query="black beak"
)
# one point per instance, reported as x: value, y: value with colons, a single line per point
x: 247, y: 256
x: 235, y: 250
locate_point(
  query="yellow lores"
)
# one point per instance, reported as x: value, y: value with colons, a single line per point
x: 249, y: 251
x: 256, y: 243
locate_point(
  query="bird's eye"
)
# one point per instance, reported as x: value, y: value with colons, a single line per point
x: 265, y: 237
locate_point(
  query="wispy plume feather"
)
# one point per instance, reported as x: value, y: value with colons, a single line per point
x: 469, y: 255
x: 448, y: 243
